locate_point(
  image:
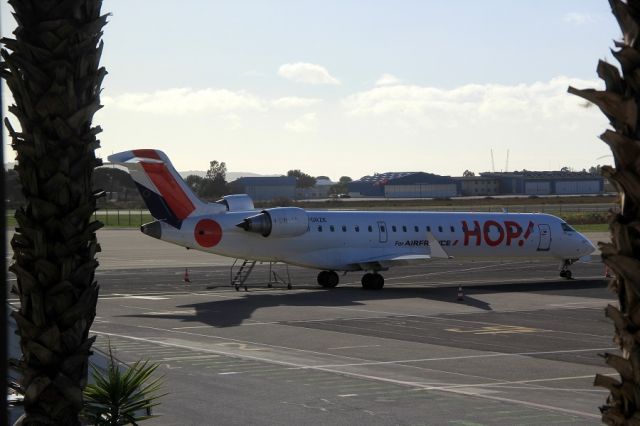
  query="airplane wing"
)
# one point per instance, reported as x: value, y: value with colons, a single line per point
x: 385, y: 262
x: 436, y: 249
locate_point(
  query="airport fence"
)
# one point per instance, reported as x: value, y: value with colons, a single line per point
x: 125, y: 218
x: 114, y: 218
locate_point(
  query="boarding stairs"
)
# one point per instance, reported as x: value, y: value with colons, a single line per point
x: 275, y: 278
x: 239, y: 277
x: 240, y: 272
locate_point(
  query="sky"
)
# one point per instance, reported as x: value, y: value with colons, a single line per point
x: 352, y: 88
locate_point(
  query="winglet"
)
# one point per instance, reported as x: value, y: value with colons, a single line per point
x: 436, y: 249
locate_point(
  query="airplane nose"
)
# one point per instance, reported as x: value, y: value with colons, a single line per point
x: 588, y: 246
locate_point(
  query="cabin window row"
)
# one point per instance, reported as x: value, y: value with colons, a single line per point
x: 394, y: 228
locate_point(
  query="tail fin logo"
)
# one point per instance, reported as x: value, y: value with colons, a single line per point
x: 169, y: 189
x: 165, y: 193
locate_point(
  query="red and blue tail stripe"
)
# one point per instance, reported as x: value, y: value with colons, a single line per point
x: 163, y: 190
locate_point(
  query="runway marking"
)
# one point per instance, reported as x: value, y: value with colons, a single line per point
x: 517, y: 382
x: 190, y: 357
x: 168, y: 295
x: 137, y: 307
x: 548, y: 389
x: 239, y: 346
x: 148, y: 297
x: 191, y: 312
x: 447, y: 318
x: 192, y: 326
x: 499, y: 329
x: 573, y: 304
x: 477, y: 268
x: 452, y: 358
x: 356, y: 347
x: 457, y: 389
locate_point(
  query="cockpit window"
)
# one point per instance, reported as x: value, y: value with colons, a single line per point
x: 567, y: 228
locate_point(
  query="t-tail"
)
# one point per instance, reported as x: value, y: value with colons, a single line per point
x: 166, y: 194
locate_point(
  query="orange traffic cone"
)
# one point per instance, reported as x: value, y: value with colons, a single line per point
x: 460, y: 294
x: 186, y: 276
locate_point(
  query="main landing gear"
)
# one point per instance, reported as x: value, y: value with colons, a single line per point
x: 370, y: 281
x: 564, y: 269
x: 373, y: 281
x: 328, y: 279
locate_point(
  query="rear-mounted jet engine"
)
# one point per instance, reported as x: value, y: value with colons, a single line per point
x: 279, y: 222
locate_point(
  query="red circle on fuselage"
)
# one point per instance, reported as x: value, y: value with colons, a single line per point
x: 208, y: 233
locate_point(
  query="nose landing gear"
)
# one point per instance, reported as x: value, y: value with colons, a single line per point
x: 564, y: 269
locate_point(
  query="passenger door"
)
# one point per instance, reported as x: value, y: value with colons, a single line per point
x: 382, y: 232
x: 545, y: 237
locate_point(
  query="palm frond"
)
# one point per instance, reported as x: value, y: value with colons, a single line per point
x: 122, y: 395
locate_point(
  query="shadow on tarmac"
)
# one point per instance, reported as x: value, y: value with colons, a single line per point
x: 232, y: 312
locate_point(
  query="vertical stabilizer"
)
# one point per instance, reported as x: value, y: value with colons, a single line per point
x: 166, y: 194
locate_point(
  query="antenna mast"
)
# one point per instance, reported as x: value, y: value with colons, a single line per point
x: 506, y: 166
x: 493, y: 165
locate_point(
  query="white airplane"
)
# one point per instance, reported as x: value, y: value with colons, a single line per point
x: 333, y: 241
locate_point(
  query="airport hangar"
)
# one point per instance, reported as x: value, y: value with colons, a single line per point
x: 428, y: 185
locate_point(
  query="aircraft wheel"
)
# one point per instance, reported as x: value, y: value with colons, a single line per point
x: 566, y: 274
x: 322, y: 278
x: 366, y: 281
x: 378, y: 282
x: 328, y: 279
x: 372, y: 281
x: 334, y: 279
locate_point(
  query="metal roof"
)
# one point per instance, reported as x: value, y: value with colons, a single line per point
x: 542, y: 175
x: 266, y: 181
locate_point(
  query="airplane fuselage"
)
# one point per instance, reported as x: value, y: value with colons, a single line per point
x: 337, y: 240
x: 344, y: 240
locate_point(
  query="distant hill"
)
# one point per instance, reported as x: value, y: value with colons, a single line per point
x: 231, y: 176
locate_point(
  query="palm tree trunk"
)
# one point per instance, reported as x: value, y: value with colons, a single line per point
x: 620, y: 102
x: 4, y: 343
x: 52, y: 69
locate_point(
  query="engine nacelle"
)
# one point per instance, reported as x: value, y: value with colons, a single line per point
x: 237, y: 202
x: 279, y: 222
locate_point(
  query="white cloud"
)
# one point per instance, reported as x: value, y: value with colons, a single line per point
x: 185, y: 100
x: 295, y: 102
x: 542, y: 125
x: 388, y: 80
x: 304, y: 124
x: 578, y: 18
x: 469, y: 102
x: 303, y: 72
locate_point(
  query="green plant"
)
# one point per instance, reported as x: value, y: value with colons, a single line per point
x: 117, y: 397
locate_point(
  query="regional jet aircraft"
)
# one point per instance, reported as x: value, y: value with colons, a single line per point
x: 338, y: 241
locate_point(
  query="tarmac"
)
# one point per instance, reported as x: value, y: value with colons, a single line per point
x: 520, y: 348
